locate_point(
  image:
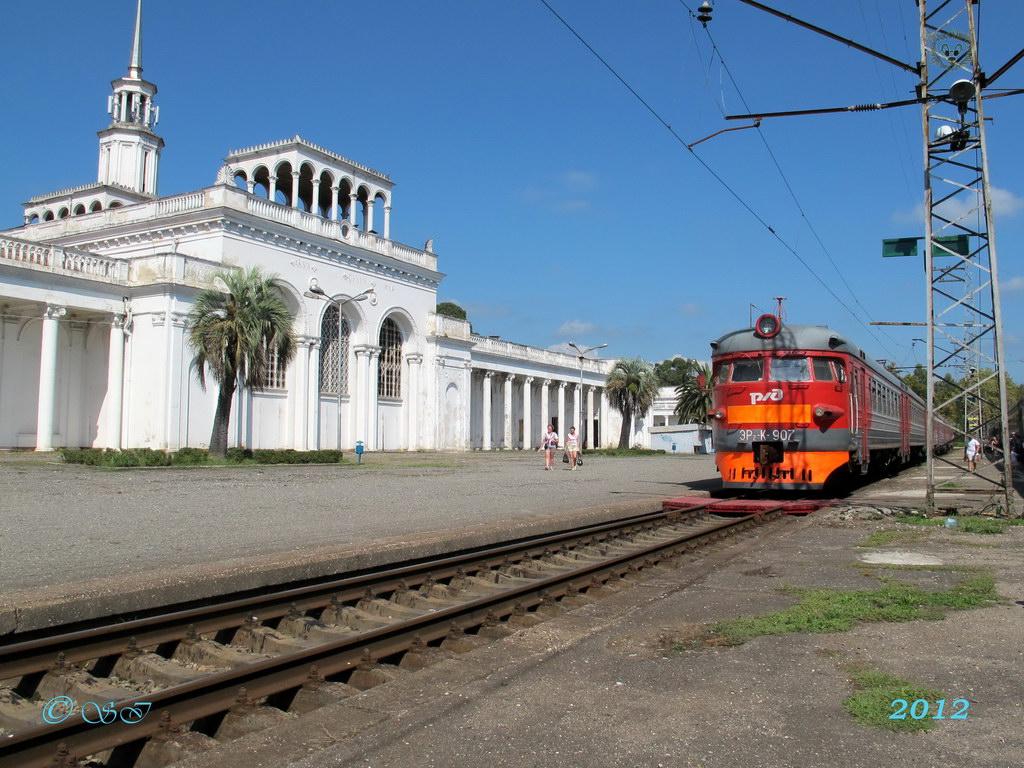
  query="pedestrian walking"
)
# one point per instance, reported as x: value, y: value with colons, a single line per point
x: 549, y: 444
x: 971, y: 453
x: 572, y: 446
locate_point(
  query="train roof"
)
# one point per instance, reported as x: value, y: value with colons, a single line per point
x: 802, y: 337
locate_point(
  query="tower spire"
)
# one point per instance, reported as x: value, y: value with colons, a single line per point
x: 135, y: 66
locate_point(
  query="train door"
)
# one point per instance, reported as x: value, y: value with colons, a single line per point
x: 905, y: 426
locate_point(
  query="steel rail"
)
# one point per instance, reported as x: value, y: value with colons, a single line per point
x: 24, y: 658
x: 215, y: 694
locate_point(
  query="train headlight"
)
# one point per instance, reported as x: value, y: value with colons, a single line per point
x: 718, y: 414
x: 820, y: 413
x: 767, y: 326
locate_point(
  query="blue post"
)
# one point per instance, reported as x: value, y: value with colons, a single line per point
x: 359, y: 451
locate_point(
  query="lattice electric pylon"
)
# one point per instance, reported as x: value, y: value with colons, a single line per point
x: 965, y: 347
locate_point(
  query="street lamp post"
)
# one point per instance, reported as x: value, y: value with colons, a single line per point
x: 316, y: 292
x: 581, y: 356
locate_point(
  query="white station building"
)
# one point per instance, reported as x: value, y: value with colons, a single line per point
x: 96, y: 286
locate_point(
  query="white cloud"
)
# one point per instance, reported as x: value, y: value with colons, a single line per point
x: 562, y: 347
x: 966, y: 207
x: 578, y: 180
x: 575, y: 328
x: 1014, y: 284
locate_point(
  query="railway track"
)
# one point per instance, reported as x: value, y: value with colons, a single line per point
x: 229, y: 668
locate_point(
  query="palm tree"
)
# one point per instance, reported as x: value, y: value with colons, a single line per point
x: 695, y: 396
x: 632, y: 387
x: 234, y: 332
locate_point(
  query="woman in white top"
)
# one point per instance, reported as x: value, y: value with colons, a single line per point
x: 548, y: 444
x: 572, y: 446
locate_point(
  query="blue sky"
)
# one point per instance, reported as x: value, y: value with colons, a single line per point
x: 559, y: 208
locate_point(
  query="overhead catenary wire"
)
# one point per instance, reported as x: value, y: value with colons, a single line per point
x: 785, y: 178
x: 714, y: 174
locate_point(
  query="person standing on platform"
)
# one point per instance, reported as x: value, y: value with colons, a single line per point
x: 572, y: 446
x: 972, y: 449
x: 549, y: 444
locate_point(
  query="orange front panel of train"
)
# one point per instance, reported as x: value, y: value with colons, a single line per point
x: 798, y: 469
x: 769, y: 413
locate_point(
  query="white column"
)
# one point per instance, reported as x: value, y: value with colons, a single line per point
x: 604, y: 418
x: 334, y: 203
x: 295, y: 189
x: 577, y: 397
x: 372, y: 418
x: 387, y: 221
x: 272, y: 189
x: 313, y: 397
x: 413, y: 441
x: 300, y: 394
x: 359, y: 396
x: 71, y: 429
x: 486, y: 444
x: 561, y: 412
x: 250, y: 186
x: 369, y: 214
x: 115, y: 383
x: 314, y: 201
x: 47, y: 377
x: 590, y: 417
x: 545, y: 404
x: 353, y: 202
x: 528, y: 413
x: 507, y: 420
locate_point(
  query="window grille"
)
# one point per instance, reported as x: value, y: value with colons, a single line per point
x: 331, y: 350
x: 389, y: 382
x: 275, y: 378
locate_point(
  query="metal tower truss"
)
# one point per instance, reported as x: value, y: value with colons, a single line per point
x: 965, y: 348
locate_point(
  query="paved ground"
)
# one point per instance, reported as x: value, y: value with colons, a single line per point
x: 596, y: 687
x: 83, y: 537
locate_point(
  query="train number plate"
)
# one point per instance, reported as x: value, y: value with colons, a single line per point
x: 752, y: 435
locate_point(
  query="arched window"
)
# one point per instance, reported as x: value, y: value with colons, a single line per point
x: 389, y: 383
x: 275, y: 371
x: 63, y: 213
x: 79, y: 210
x: 331, y: 351
x: 34, y: 219
x: 97, y: 206
x: 48, y: 216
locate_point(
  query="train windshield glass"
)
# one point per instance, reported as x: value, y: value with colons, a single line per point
x: 790, y: 369
x: 822, y: 369
x: 748, y: 370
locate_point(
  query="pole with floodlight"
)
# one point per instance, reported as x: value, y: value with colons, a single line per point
x: 316, y: 292
x: 581, y: 355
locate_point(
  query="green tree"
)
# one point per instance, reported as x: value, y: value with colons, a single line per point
x: 632, y: 387
x: 451, y: 309
x: 695, y: 395
x: 672, y: 373
x: 233, y: 333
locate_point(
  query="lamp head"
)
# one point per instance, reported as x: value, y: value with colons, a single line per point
x: 961, y: 92
x: 314, y: 287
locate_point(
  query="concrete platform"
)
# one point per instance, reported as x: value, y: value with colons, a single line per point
x: 600, y: 687
x: 81, y: 542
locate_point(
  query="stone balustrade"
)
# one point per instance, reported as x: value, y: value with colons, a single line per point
x: 53, y: 258
x: 226, y: 196
x: 515, y: 351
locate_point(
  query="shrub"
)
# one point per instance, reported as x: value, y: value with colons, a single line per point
x: 238, y: 454
x: 289, y: 456
x: 190, y: 456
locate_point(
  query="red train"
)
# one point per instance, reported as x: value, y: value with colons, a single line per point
x: 796, y: 406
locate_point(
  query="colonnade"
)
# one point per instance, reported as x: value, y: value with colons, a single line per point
x: 336, y: 202
x: 47, y: 400
x: 569, y: 397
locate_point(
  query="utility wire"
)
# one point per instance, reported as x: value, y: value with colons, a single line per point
x: 682, y: 142
x: 736, y: 196
x: 785, y: 179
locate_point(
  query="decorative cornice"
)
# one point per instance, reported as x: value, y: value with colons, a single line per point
x: 87, y: 187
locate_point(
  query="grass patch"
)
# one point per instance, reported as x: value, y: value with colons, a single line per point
x: 623, y: 452
x: 890, y: 536
x: 968, y: 524
x: 833, y: 610
x: 874, y: 692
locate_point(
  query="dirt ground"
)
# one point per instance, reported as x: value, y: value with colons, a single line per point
x: 606, y: 685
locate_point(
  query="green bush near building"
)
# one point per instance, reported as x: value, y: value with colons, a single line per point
x: 191, y: 457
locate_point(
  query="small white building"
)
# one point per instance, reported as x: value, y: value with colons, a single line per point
x: 96, y: 286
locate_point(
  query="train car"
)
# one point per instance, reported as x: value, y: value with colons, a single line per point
x: 798, y: 406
